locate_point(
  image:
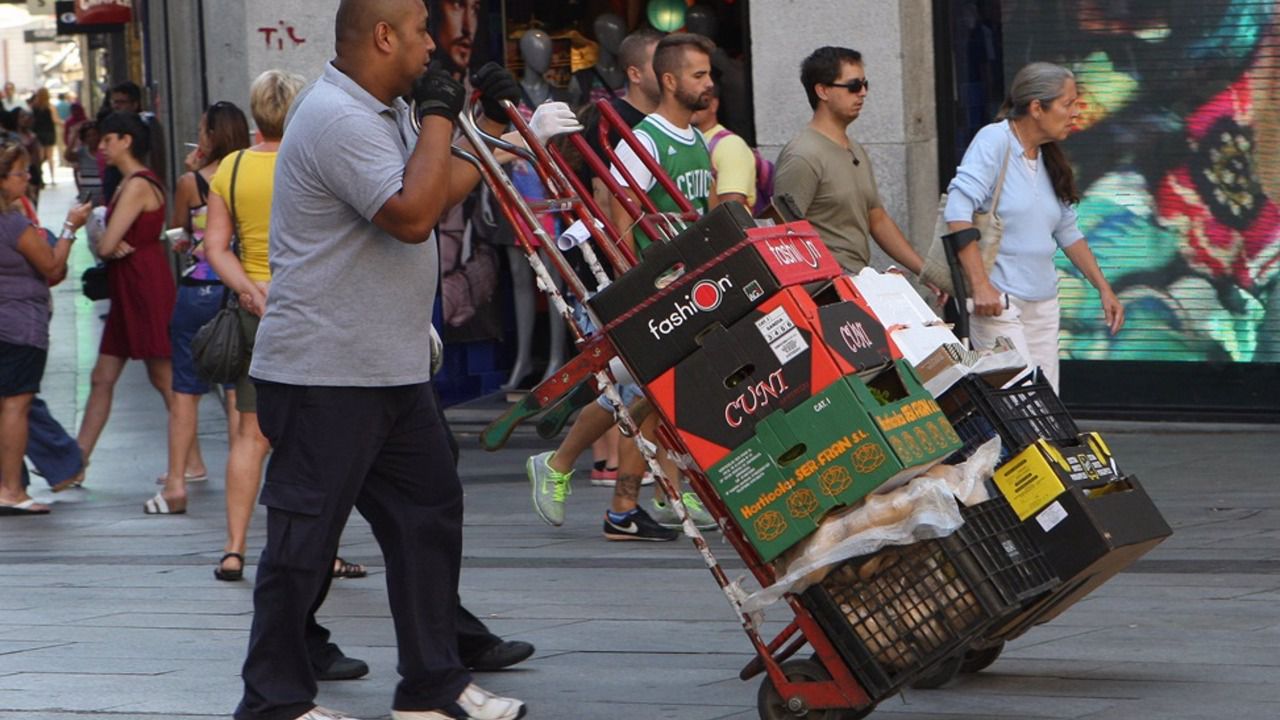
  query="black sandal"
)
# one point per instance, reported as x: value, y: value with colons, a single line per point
x: 230, y: 575
x: 343, y: 569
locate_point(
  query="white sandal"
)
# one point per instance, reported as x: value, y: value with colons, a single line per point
x: 159, y: 506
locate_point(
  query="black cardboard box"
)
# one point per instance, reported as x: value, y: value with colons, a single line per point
x: 770, y: 360
x: 654, y: 321
x: 1088, y: 535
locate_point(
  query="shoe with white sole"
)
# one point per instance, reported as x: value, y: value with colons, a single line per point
x: 666, y: 516
x: 599, y: 478
x: 320, y: 713
x: 475, y: 703
x: 550, y: 487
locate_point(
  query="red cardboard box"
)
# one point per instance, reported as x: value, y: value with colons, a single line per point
x: 770, y: 360
x: 654, y: 321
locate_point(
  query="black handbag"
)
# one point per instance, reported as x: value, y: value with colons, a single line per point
x: 93, y: 282
x: 219, y: 350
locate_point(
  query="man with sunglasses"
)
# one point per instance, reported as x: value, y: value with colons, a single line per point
x: 830, y: 176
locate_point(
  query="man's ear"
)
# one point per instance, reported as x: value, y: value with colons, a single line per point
x: 662, y: 82
x: 822, y: 91
x: 383, y: 36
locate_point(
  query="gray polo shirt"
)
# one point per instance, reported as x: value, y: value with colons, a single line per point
x: 349, y: 304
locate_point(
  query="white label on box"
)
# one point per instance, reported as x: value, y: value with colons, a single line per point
x: 776, y: 324
x: 789, y: 346
x: 1051, y: 516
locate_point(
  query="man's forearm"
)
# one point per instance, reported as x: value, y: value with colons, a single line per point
x: 889, y: 237
x: 623, y: 221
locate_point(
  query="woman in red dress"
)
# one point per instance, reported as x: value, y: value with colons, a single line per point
x: 139, y: 282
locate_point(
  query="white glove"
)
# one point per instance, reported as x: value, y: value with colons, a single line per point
x: 437, y: 351
x: 552, y: 119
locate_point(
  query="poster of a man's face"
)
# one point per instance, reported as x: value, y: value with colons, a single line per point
x: 456, y: 27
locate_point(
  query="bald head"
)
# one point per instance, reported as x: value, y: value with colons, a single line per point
x: 357, y: 19
x: 383, y: 44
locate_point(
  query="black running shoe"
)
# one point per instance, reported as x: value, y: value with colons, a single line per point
x: 638, y: 526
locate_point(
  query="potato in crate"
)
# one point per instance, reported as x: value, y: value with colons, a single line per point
x: 899, y: 614
x: 895, y: 614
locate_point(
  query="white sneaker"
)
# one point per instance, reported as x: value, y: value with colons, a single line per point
x: 475, y: 703
x: 320, y: 713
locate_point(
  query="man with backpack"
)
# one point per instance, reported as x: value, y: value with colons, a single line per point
x: 742, y: 174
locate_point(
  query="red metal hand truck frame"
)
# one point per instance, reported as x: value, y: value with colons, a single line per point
x: 825, y: 689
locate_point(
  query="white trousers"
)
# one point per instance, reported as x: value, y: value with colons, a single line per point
x: 1031, y: 325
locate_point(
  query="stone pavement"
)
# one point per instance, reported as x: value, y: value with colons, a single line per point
x: 109, y: 613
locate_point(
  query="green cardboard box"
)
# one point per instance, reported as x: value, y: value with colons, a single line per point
x: 799, y: 465
x: 907, y: 415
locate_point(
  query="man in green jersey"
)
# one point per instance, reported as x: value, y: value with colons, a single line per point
x: 682, y: 64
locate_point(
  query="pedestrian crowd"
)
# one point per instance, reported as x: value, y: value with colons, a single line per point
x: 317, y: 230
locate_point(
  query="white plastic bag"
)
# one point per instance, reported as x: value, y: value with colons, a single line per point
x: 94, y: 228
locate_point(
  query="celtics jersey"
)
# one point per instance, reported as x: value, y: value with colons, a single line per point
x: 683, y: 155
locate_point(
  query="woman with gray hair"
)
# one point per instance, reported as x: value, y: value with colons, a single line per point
x: 1018, y: 296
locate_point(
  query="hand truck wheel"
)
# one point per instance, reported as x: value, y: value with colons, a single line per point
x: 941, y: 674
x: 979, y: 659
x: 773, y: 706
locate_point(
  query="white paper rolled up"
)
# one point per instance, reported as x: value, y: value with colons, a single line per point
x: 575, y: 235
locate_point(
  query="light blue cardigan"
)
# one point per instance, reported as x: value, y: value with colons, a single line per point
x: 1036, y: 222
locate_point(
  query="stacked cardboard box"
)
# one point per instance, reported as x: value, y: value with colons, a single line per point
x: 792, y: 404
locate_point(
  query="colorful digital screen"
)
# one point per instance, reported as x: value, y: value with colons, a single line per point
x: 1177, y: 159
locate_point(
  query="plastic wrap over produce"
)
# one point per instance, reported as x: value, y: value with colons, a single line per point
x: 922, y: 509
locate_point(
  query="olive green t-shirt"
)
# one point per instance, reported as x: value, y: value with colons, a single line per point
x: 835, y: 193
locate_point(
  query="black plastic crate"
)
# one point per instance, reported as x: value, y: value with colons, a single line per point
x: 1012, y: 563
x: 1019, y: 415
x: 894, y: 614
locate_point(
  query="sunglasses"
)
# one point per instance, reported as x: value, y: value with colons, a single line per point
x: 855, y: 86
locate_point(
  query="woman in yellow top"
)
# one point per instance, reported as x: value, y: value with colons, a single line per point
x: 249, y: 276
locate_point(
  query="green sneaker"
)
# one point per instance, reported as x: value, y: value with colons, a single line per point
x: 550, y: 488
x: 665, y: 515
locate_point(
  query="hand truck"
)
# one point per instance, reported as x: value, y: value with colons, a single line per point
x: 818, y: 688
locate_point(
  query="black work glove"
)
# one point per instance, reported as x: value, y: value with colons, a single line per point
x: 495, y: 85
x: 437, y: 93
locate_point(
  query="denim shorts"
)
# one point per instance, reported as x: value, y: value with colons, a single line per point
x: 630, y: 393
x: 196, y: 306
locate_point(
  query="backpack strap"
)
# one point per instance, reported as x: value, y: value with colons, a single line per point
x: 715, y: 139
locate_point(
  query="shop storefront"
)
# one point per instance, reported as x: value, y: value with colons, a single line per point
x: 1178, y: 162
x: 495, y: 325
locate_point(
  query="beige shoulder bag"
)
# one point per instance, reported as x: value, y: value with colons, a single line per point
x: 936, y: 271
